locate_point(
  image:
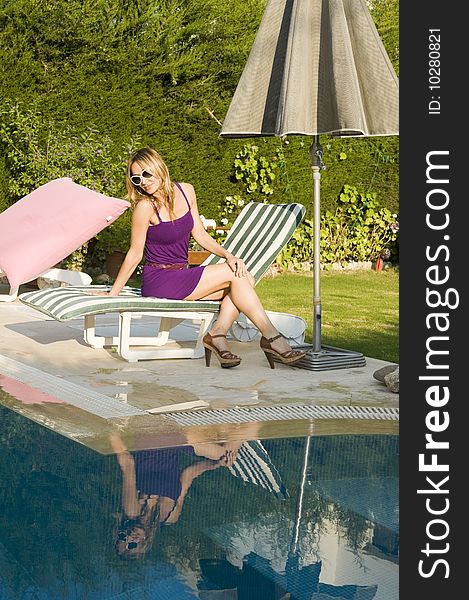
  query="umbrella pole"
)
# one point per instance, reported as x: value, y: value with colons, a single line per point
x: 299, y: 504
x: 317, y: 165
x: 319, y: 357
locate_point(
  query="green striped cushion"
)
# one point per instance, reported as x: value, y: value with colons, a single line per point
x: 257, y: 236
x: 68, y: 303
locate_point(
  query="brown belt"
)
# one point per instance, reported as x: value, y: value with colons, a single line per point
x: 173, y: 266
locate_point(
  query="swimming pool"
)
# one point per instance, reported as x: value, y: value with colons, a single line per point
x: 303, y: 518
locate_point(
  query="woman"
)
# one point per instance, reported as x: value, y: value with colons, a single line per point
x: 165, y: 216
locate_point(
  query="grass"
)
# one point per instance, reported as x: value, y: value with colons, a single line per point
x: 360, y: 309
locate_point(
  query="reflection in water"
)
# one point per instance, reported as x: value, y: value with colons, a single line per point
x: 25, y: 393
x: 324, y: 524
x: 154, y: 486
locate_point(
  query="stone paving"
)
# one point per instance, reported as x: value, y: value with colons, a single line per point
x: 59, y: 352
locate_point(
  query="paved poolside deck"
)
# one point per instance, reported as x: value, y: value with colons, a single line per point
x: 42, y: 354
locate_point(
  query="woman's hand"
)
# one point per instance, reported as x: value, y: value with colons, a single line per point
x: 237, y: 266
x: 228, y: 458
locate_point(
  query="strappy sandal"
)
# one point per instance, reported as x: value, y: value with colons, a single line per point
x: 287, y: 358
x: 226, y: 358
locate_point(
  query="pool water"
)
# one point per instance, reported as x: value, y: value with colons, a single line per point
x: 300, y: 518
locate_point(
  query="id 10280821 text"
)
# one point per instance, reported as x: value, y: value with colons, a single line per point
x: 434, y: 71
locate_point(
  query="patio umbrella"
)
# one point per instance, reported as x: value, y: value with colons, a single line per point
x: 316, y: 67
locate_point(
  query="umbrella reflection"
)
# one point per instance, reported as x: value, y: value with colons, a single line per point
x: 341, y: 524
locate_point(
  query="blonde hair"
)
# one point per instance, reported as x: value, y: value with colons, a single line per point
x: 149, y: 523
x: 152, y: 161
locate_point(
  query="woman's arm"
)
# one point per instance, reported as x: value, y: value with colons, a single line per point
x: 140, y: 222
x: 130, y: 503
x: 206, y: 241
x: 187, y: 477
x: 193, y: 471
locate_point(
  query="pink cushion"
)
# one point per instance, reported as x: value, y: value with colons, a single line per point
x: 50, y: 223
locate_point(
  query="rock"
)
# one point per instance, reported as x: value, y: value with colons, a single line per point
x: 389, y: 375
x: 274, y: 270
x: 43, y: 283
x: 351, y: 266
x: 380, y: 374
x: 392, y: 380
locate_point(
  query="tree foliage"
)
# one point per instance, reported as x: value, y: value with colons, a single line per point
x: 385, y: 14
x: 165, y: 71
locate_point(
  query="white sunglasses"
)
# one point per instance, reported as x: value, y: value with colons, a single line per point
x: 138, y: 179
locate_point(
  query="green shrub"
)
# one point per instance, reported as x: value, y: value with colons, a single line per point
x: 358, y: 230
x: 256, y: 172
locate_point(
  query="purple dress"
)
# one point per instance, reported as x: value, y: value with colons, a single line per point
x: 167, y: 243
x: 159, y: 472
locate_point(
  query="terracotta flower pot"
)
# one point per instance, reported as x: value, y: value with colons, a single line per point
x: 196, y: 257
x: 114, y: 262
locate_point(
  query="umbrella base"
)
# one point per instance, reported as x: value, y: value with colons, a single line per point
x: 328, y: 358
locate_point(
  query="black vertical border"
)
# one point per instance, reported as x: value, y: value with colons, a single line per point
x: 422, y: 132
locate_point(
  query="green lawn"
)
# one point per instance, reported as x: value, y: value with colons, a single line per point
x: 360, y: 309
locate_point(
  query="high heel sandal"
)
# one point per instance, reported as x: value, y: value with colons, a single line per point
x: 287, y: 358
x: 226, y: 358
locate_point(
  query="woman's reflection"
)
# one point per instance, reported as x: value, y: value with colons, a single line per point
x: 154, y: 486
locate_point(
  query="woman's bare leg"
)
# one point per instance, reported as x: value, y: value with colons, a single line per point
x: 241, y: 297
x: 226, y: 316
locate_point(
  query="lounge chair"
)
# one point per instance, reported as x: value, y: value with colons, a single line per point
x: 257, y: 236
